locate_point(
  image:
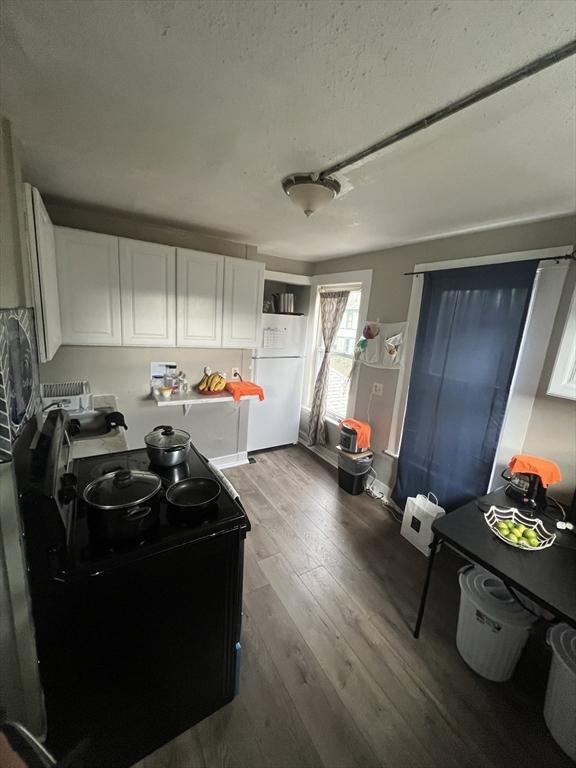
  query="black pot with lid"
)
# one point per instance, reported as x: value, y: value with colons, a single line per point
x: 123, y: 504
x: 167, y: 446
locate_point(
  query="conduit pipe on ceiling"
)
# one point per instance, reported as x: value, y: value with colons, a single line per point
x: 528, y: 70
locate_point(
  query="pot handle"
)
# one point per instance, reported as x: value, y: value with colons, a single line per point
x: 137, y: 513
x: 122, y: 478
x: 166, y: 429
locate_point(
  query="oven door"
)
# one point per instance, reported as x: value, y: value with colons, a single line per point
x: 150, y: 649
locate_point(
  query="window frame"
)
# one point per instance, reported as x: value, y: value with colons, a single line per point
x: 319, y: 350
x: 361, y: 279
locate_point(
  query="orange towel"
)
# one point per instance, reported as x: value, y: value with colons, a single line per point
x: 363, y: 432
x: 240, y: 389
x: 548, y: 471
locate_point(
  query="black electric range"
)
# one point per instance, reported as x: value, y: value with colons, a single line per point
x: 136, y: 642
x: 175, y: 528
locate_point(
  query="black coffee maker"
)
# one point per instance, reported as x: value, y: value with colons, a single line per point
x: 528, y: 477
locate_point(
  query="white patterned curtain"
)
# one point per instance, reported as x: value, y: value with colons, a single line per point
x: 332, y: 306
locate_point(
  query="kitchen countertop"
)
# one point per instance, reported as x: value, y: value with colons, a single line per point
x: 195, y: 398
x: 113, y: 442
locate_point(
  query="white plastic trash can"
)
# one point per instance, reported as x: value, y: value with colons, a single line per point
x: 560, y: 702
x: 492, y: 627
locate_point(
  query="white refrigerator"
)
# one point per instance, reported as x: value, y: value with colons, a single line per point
x: 278, y: 367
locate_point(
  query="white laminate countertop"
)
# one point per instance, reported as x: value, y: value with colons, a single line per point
x: 113, y: 442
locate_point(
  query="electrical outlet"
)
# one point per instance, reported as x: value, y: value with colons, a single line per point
x: 235, y: 373
x: 377, y: 389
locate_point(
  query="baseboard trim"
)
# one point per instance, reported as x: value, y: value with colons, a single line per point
x: 324, y: 453
x: 381, y: 488
x: 232, y: 460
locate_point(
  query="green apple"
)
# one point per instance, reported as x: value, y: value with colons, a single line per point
x: 533, y: 542
x: 513, y: 538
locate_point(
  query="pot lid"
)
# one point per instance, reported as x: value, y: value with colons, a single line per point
x: 122, y: 489
x: 490, y: 596
x: 165, y: 436
x: 562, y: 640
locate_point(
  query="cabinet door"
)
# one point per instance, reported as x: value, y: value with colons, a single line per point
x: 89, y: 287
x: 243, y: 293
x: 200, y: 279
x: 147, y: 287
x: 44, y: 276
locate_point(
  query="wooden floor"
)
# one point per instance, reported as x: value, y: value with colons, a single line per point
x: 331, y: 675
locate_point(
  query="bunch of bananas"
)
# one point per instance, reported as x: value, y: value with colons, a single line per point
x: 211, y: 382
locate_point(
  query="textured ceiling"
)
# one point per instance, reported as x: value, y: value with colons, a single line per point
x: 194, y: 111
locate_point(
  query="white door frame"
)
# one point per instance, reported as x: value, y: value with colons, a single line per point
x: 542, y: 310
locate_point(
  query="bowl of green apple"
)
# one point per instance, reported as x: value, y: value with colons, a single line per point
x: 518, y: 530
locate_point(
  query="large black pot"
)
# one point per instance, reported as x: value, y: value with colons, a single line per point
x: 123, y: 504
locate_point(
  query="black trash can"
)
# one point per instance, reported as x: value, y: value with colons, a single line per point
x: 352, y: 471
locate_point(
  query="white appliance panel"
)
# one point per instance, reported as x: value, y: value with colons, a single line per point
x: 282, y: 336
x: 275, y: 420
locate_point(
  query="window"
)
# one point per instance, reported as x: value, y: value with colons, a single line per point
x: 341, y: 357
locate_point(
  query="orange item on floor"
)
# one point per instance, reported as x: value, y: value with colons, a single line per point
x: 548, y: 471
x: 363, y: 432
x: 240, y: 389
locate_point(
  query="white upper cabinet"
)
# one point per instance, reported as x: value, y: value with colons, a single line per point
x: 44, y: 279
x: 243, y: 294
x: 147, y: 291
x: 122, y: 291
x: 89, y: 287
x: 200, y: 285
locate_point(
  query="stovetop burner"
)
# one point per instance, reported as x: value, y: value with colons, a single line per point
x: 174, y: 524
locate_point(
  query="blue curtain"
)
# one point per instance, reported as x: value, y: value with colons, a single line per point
x: 470, y: 327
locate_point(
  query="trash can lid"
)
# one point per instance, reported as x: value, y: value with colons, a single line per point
x: 489, y: 594
x: 562, y: 639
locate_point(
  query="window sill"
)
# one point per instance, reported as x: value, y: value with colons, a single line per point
x: 330, y: 419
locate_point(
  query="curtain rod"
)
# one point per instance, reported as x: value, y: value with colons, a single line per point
x: 532, y: 68
x: 570, y: 256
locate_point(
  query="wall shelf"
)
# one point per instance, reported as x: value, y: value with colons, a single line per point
x: 188, y: 399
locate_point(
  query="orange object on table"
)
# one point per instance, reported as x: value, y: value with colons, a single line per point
x: 240, y: 389
x: 548, y: 471
x: 363, y: 432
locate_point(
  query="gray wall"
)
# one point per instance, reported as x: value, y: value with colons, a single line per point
x: 112, y: 222
x: 217, y: 430
x: 389, y: 300
x: 20, y: 696
x: 12, y: 239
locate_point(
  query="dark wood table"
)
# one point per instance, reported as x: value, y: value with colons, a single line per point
x: 547, y: 577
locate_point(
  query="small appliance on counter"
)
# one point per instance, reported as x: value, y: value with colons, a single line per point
x: 70, y: 395
x: 354, y: 435
x: 528, y: 477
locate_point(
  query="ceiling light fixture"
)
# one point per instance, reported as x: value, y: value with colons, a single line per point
x: 309, y: 192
